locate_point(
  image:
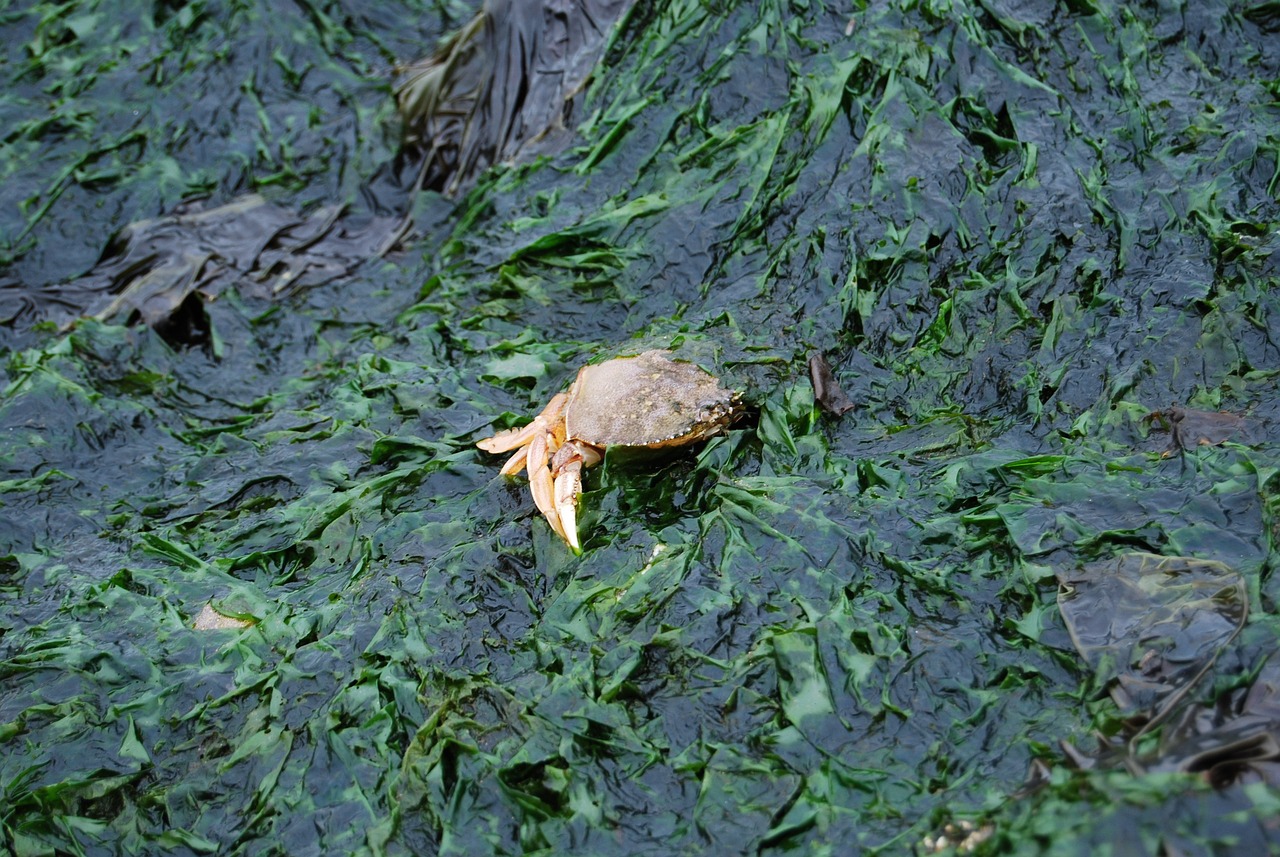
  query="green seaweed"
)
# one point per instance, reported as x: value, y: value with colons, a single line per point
x: 1013, y: 230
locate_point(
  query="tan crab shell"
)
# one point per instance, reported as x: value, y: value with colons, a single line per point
x: 646, y: 401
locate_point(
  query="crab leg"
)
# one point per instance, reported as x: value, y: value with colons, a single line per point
x: 541, y: 485
x: 534, y: 444
x: 505, y: 441
x: 516, y: 462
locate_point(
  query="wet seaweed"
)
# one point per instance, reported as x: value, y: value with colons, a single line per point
x: 1014, y: 230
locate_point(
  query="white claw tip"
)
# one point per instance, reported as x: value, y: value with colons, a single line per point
x: 569, y: 520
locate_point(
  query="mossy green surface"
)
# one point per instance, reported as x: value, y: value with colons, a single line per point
x: 1013, y: 228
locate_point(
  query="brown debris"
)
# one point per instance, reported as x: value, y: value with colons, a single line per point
x: 1189, y: 428
x: 826, y: 390
x: 503, y: 88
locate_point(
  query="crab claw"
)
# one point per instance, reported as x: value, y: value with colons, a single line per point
x: 541, y: 483
x: 566, y: 468
x: 567, y: 488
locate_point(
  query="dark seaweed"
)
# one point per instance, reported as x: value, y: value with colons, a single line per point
x: 1014, y: 229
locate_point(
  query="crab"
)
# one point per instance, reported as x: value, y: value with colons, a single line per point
x: 644, y: 402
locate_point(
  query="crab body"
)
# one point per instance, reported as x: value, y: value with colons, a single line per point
x: 645, y: 402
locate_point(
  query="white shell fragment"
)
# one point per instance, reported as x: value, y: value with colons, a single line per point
x: 209, y: 619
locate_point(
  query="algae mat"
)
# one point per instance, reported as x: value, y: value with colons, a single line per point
x: 262, y: 594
